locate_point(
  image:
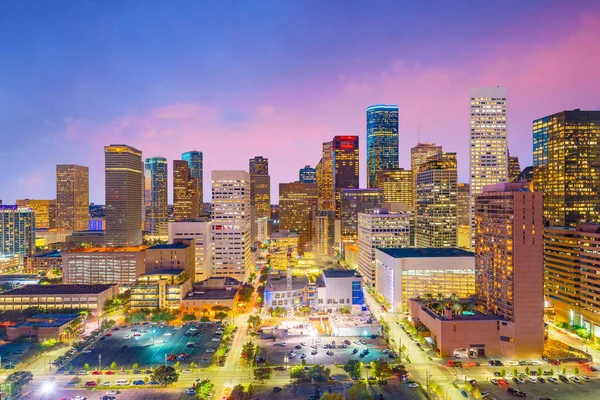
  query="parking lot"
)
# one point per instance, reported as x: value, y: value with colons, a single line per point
x: 560, y: 390
x: 275, y: 353
x: 149, y: 346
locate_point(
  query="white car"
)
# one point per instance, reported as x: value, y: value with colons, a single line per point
x: 536, y: 362
x: 187, y: 371
x: 553, y: 379
x: 413, y: 385
x: 216, y: 339
x: 210, y: 350
x: 292, y: 354
x: 584, y: 378
x: 111, y: 393
x: 87, y: 351
x: 193, y: 328
x: 78, y: 398
x: 485, y: 394
x: 512, y: 363
x: 106, y: 383
x: 168, y: 334
x: 532, y: 379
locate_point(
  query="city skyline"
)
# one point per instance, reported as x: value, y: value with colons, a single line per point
x: 162, y: 113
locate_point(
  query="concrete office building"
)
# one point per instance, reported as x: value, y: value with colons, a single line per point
x: 435, y: 221
x: 323, y: 232
x: 44, y: 211
x: 324, y: 175
x: 17, y: 226
x: 307, y: 175
x: 177, y: 255
x: 397, y: 185
x: 160, y: 289
x: 43, y: 262
x: 104, y: 265
x: 283, y: 249
x: 355, y: 201
x: 156, y: 196
x: 198, y: 229
x: 297, y: 203
x: 488, y: 134
x: 124, y: 186
x: 196, y: 164
x: 72, y: 197
x: 382, y: 140
x: 463, y: 218
x: 566, y: 161
x: 419, y: 155
x: 260, y: 192
x: 514, y: 168
x: 231, y: 224
x: 379, y: 229
x: 509, y: 260
x: 345, y: 167
x: 338, y: 289
x: 185, y: 192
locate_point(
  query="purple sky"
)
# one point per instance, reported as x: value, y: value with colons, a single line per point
x: 273, y: 78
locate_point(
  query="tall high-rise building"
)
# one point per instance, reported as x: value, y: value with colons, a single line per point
x: 397, y: 185
x: 566, y: 162
x: 323, y: 233
x: 325, y: 178
x: 198, y: 229
x: 489, y: 151
x: 230, y: 224
x: 16, y: 231
x: 509, y: 275
x: 463, y: 219
x: 124, y: 186
x: 260, y: 192
x: 44, y: 210
x: 72, y: 197
x: 195, y: 162
x: 345, y: 167
x: 185, y: 192
x: 514, y: 168
x: 156, y: 196
x: 355, y: 201
x: 382, y: 140
x: 307, y: 174
x: 419, y: 155
x: 435, y: 221
x: 383, y: 229
x: 297, y: 204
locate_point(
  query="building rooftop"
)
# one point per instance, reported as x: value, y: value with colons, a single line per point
x: 165, y: 271
x: 283, y: 234
x: 169, y: 246
x: 340, y: 273
x: 88, y: 233
x: 133, y: 249
x: 211, y: 294
x: 47, y: 254
x: 57, y: 289
x: 279, y: 283
x: 426, y: 252
x: 469, y: 316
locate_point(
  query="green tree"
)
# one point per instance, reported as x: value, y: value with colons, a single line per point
x: 503, y: 372
x: 204, y: 319
x: 526, y: 370
x: 551, y: 371
x: 239, y: 393
x: 345, y: 310
x: 304, y: 310
x: 359, y: 391
x: 221, y: 315
x: 165, y: 375
x: 476, y: 393
x: 86, y: 366
x: 162, y: 316
x: 249, y: 352
x: 262, y: 374
x: 381, y: 369
x: 113, y: 365
x: 135, y: 317
x: 204, y: 389
x: 135, y: 366
x: 353, y: 368
x: 177, y: 364
x: 564, y: 371
x: 245, y: 293
x: 576, y: 371
x: 318, y: 374
x: 539, y: 371
x: 298, y: 373
x: 192, y: 365
x: 468, y: 386
x: 332, y: 396
x: 279, y: 312
x: 515, y: 372
x: 188, y: 317
x: 254, y: 320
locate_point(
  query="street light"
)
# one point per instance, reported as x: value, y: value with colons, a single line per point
x: 47, y: 388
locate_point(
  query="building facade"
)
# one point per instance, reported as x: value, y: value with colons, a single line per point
x: 124, y: 186
x: 260, y: 192
x: 566, y: 161
x: 160, y: 289
x: 177, y: 255
x: 509, y: 263
x: 514, y: 168
x: 419, y: 155
x: 199, y: 230
x: 325, y: 178
x: 345, y: 167
x: 437, y: 186
x: 463, y: 216
x: 283, y: 249
x: 156, y: 196
x: 379, y: 229
x: 44, y: 211
x: 297, y: 203
x: 231, y: 224
x: 104, y: 265
x: 17, y: 226
x: 355, y: 201
x: 339, y: 289
x: 397, y: 185
x: 185, y: 192
x: 307, y: 174
x: 72, y: 197
x: 196, y: 164
x: 382, y: 140
x: 43, y: 262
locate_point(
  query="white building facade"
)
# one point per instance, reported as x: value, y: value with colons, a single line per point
x: 230, y: 230
x: 338, y: 289
x: 120, y: 265
x: 379, y: 229
x: 198, y: 229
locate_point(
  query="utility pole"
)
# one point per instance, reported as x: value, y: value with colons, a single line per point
x: 99, y: 362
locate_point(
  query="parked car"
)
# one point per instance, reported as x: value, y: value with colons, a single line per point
x: 91, y: 384
x: 139, y: 383
x: 277, y: 389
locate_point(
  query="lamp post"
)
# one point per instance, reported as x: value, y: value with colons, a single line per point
x: 99, y: 361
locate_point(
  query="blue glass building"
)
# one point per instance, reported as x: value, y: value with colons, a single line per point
x: 156, y: 196
x: 382, y: 140
x: 195, y: 163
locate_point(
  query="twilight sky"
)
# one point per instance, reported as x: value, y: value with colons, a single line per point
x: 236, y: 79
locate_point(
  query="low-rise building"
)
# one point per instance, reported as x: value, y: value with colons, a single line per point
x: 215, y: 291
x: 283, y: 249
x: 103, y: 265
x: 179, y: 254
x: 338, y: 289
x: 286, y: 291
x: 90, y: 297
x: 406, y: 273
x: 11, y: 281
x: 160, y: 288
x: 47, y: 326
x: 89, y: 238
x: 43, y: 262
x: 197, y: 229
x: 9, y: 263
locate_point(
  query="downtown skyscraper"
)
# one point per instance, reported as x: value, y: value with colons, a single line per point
x: 566, y: 162
x: 382, y: 140
x: 345, y: 167
x: 185, y: 192
x: 156, y: 196
x: 489, y: 150
x: 196, y: 164
x: 124, y: 192
x: 419, y: 155
x: 260, y: 193
x: 297, y: 204
x: 324, y: 175
x: 72, y: 197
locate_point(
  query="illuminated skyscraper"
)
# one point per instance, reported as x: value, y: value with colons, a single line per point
x: 297, y: 203
x: 72, y: 197
x: 355, y: 201
x: 260, y: 192
x: 185, y: 193
x: 435, y: 222
x: 44, y: 210
x: 489, y: 151
x: 124, y: 187
x: 307, y: 175
x: 230, y: 224
x: 382, y: 140
x: 566, y: 162
x: 463, y: 218
x: 196, y: 164
x: 509, y: 273
x: 325, y: 178
x: 345, y: 167
x: 514, y: 168
x: 16, y: 231
x: 397, y: 185
x: 419, y: 156
x: 156, y: 196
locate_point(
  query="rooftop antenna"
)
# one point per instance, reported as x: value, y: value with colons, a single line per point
x: 418, y: 134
